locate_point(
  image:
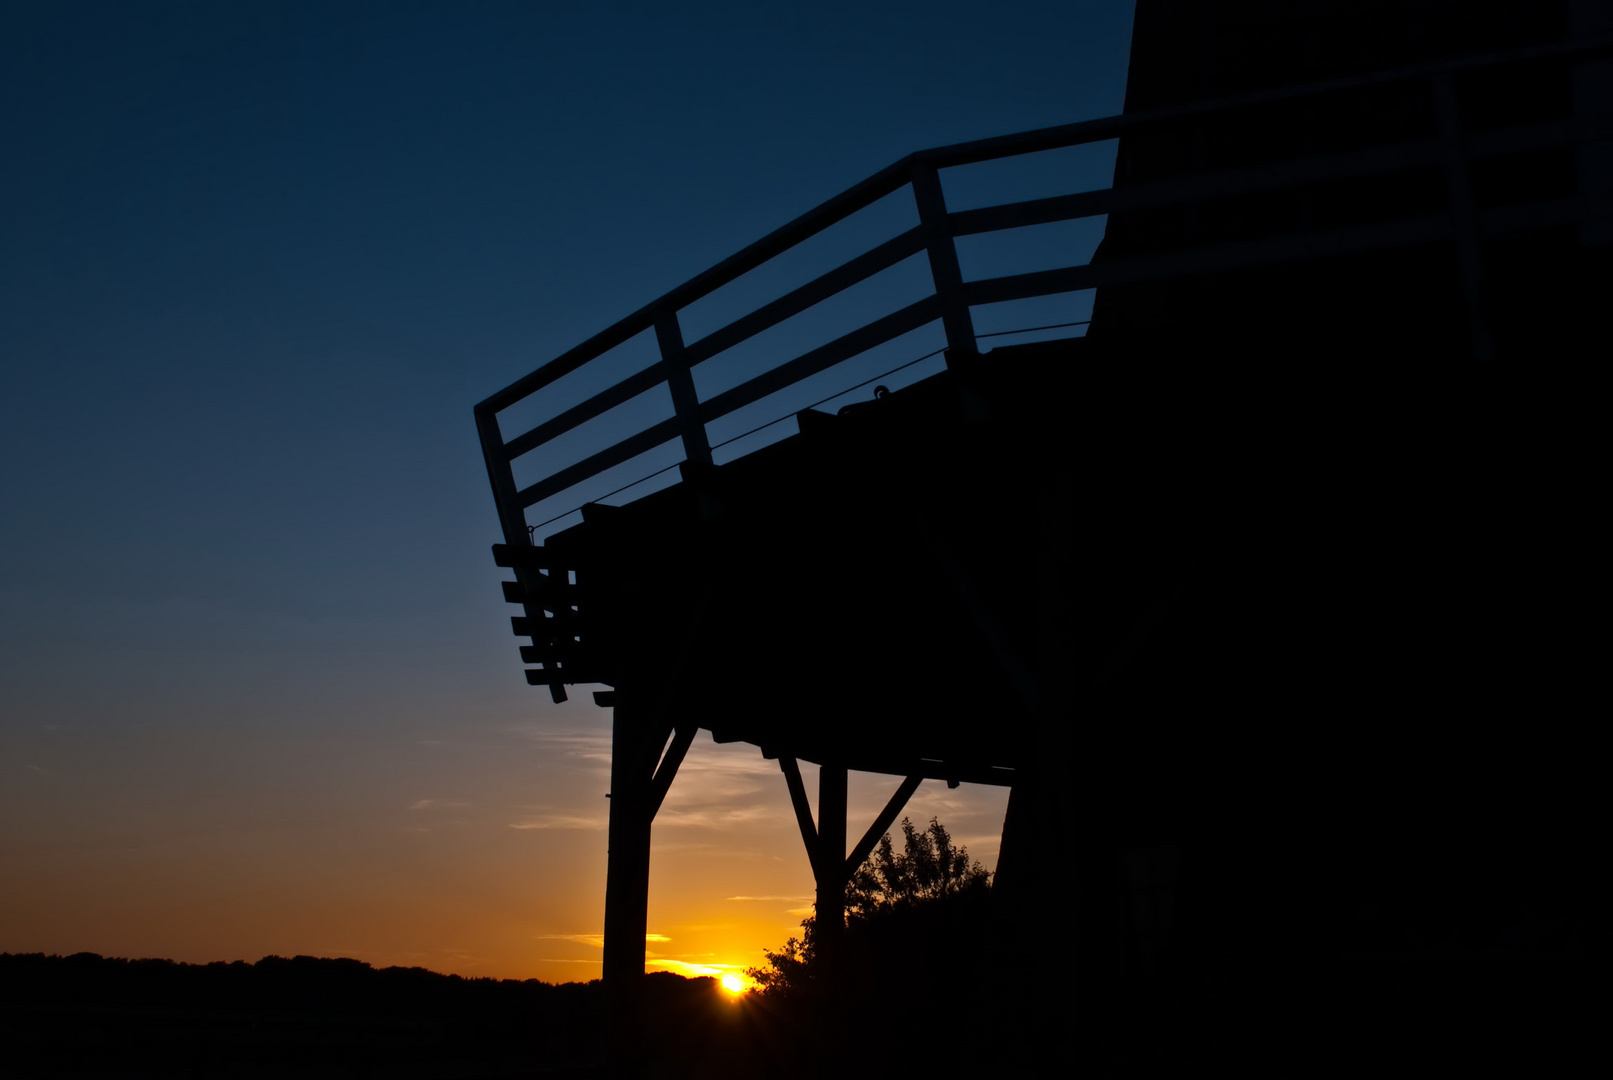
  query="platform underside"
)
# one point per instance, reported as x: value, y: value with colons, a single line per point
x: 1255, y: 568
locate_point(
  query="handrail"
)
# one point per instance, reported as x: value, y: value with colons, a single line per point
x: 952, y: 297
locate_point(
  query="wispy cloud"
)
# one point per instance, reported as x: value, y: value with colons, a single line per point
x: 560, y: 821
x: 430, y: 804
x: 714, y: 817
x: 588, y: 744
x: 596, y: 940
x: 724, y: 787
x: 692, y: 970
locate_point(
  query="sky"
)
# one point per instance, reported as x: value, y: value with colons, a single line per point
x: 258, y: 691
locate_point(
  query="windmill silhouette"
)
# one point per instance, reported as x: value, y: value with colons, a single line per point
x: 1224, y: 590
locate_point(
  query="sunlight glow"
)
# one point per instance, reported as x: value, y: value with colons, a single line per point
x: 733, y: 984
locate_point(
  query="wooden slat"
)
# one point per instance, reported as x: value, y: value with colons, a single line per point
x: 543, y: 594
x: 531, y: 557
x: 570, y: 360
x: 624, y: 391
x: 541, y: 631
x: 825, y: 356
x: 566, y: 651
x: 798, y: 300
x: 537, y: 677
x: 627, y: 449
x: 517, y: 593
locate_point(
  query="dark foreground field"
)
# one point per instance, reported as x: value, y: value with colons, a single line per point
x: 88, y: 1016
x: 85, y: 1016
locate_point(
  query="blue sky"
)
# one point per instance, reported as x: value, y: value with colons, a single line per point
x: 258, y: 262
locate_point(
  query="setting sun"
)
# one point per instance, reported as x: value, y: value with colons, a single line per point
x: 733, y: 984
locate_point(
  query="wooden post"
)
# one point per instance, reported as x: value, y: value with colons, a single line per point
x: 685, y: 401
x: 830, y: 916
x: 831, y: 872
x: 944, y: 271
x: 627, y: 875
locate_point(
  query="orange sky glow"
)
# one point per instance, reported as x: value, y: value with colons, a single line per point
x: 481, y: 855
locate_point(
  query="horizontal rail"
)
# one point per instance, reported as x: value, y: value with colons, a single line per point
x: 571, y: 359
x: 1109, y: 127
x: 624, y: 391
x: 1353, y: 165
x: 861, y: 268
x: 841, y: 348
x: 1203, y: 187
x: 648, y: 439
x: 677, y: 359
x: 1243, y: 255
x: 814, y: 221
x: 894, y: 176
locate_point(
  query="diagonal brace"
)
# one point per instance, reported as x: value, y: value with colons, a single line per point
x: 803, y: 809
x: 1002, y: 648
x: 662, y: 780
x: 881, y: 824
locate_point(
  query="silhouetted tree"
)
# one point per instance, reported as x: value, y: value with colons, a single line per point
x: 929, y: 868
x: 927, y: 872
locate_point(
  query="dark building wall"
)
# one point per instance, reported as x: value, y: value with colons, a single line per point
x: 1352, y: 737
x: 1536, y: 287
x: 1186, y: 50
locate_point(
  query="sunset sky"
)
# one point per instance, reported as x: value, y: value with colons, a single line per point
x: 258, y: 691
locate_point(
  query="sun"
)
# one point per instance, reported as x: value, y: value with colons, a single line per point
x: 733, y: 984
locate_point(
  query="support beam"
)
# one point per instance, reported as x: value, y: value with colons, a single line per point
x: 1005, y: 879
x: 881, y: 824
x: 634, y: 747
x: 830, y: 910
x: 803, y: 809
x: 668, y: 768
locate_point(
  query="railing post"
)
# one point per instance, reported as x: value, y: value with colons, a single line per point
x: 512, y: 520
x: 829, y: 911
x: 943, y: 254
x: 669, y: 335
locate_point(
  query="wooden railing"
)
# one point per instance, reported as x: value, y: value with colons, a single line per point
x: 1447, y: 148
